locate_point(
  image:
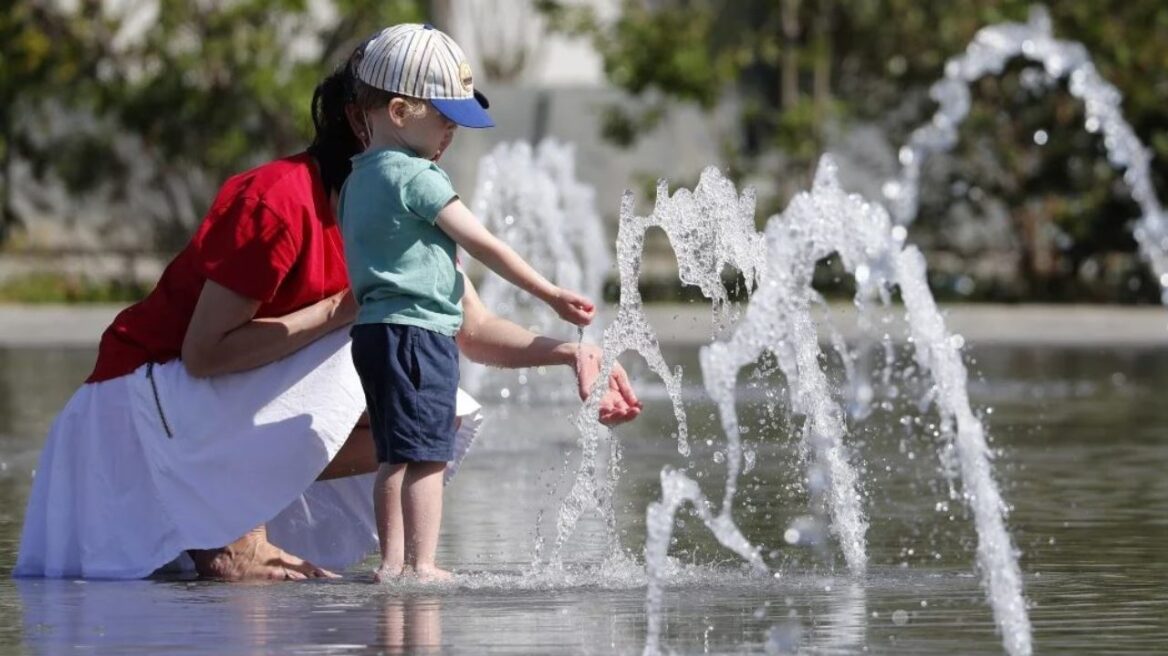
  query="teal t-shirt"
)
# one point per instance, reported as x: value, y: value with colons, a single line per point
x: 401, y: 265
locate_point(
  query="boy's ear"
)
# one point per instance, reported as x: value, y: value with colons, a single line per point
x: 398, y: 112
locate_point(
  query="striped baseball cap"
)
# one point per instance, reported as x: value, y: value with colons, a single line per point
x: 419, y: 61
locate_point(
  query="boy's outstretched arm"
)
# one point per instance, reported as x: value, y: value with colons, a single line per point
x: 457, y: 221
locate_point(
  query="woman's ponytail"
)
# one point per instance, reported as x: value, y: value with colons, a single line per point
x: 335, y: 143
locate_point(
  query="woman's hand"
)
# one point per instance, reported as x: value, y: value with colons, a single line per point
x: 620, y: 402
x: 342, y: 309
x: 572, y: 307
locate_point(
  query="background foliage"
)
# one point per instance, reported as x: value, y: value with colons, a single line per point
x: 204, y: 88
x: 100, y: 100
x: 804, y: 71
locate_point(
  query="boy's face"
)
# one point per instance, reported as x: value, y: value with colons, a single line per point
x: 430, y: 134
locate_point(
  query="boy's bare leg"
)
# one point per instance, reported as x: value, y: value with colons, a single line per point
x: 387, y: 507
x: 422, y: 511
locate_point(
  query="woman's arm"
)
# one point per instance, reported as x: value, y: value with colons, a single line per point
x: 224, y: 336
x: 489, y: 339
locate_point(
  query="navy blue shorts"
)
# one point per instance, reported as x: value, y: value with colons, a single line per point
x: 410, y: 378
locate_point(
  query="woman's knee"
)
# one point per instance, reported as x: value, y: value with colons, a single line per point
x: 356, y: 456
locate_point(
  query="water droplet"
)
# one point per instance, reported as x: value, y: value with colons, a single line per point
x: 1040, y: 137
x: 899, y: 618
x: 964, y: 285
x: 862, y: 274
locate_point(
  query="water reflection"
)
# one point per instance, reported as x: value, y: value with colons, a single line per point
x: 410, y: 625
x: 164, y: 617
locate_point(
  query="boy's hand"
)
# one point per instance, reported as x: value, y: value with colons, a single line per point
x: 573, y: 307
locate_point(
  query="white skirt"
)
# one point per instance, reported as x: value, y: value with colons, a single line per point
x: 134, y: 474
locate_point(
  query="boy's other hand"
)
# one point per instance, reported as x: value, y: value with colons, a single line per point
x: 573, y: 307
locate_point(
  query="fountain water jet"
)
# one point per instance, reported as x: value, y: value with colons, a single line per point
x: 988, y: 54
x: 531, y: 198
x: 710, y: 229
x: 778, y: 319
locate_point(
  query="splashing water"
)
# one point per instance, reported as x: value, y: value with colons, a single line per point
x: 710, y: 229
x: 988, y: 54
x: 531, y: 199
x: 778, y: 319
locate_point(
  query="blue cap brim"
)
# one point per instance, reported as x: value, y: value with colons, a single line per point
x: 467, y: 112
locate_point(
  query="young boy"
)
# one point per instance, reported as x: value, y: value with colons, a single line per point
x: 401, y: 221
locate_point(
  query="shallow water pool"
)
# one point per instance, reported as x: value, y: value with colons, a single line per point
x: 1083, y: 450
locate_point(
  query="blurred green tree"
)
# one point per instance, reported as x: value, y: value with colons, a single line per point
x: 203, y: 87
x: 803, y: 69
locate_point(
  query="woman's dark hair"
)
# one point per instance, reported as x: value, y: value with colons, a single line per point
x: 334, y: 143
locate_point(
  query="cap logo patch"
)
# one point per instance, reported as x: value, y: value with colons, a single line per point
x: 464, y: 76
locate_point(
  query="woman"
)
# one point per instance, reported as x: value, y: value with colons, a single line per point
x: 218, y: 400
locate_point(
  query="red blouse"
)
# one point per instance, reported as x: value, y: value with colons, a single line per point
x: 270, y: 236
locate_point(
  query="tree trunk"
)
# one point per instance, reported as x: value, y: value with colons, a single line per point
x: 440, y: 14
x: 790, y: 62
x: 822, y: 73
x: 7, y: 213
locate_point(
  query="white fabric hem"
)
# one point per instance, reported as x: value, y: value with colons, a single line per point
x: 116, y: 496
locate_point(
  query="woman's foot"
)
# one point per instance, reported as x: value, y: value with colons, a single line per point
x: 253, y: 558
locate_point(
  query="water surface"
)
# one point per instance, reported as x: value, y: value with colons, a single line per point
x: 1083, y: 447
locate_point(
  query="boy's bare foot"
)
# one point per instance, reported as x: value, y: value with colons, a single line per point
x: 432, y: 574
x: 253, y: 558
x: 386, y: 573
